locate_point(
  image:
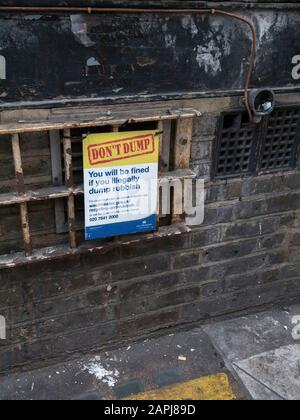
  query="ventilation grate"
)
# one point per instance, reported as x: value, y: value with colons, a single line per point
x: 280, y: 144
x: 235, y: 146
x: 243, y: 148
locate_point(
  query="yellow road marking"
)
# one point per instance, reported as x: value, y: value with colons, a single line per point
x: 213, y: 387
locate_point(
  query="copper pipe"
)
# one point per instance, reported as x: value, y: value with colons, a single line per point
x: 98, y: 10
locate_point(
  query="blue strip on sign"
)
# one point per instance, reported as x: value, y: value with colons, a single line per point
x: 125, y: 228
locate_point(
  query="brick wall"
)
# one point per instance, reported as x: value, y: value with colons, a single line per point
x: 244, y: 256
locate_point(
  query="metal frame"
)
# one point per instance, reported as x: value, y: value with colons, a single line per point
x: 263, y: 137
x: 217, y: 145
x: 184, y: 124
x: 259, y: 135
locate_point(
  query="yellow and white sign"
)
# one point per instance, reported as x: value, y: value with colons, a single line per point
x: 120, y: 183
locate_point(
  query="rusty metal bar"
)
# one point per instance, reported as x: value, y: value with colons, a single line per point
x: 71, y: 221
x: 100, y: 120
x: 15, y: 141
x: 68, y: 158
x: 49, y: 193
x: 21, y: 190
x: 53, y: 193
x: 69, y: 184
x: 26, y: 229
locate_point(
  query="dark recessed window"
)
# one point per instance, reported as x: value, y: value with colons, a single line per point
x: 243, y: 148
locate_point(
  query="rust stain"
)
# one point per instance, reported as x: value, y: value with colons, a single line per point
x: 68, y: 158
x: 25, y: 229
x: 72, y: 221
x: 145, y: 61
x: 20, y: 182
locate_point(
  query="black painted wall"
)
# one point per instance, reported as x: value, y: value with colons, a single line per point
x: 57, y: 56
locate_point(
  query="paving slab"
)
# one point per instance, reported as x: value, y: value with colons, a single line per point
x: 258, y: 391
x: 240, y: 338
x: 264, y: 350
x: 277, y: 370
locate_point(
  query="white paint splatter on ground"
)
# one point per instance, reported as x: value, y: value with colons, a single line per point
x: 95, y: 368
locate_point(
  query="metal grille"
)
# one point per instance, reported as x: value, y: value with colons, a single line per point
x: 67, y: 173
x: 247, y: 149
x: 279, y: 148
x: 235, y: 146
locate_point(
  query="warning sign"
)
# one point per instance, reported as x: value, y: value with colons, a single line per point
x: 120, y: 183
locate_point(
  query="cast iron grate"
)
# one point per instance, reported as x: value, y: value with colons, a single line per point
x: 279, y: 148
x: 243, y: 148
x: 235, y: 146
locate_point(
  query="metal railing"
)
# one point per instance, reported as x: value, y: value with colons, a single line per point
x: 22, y: 198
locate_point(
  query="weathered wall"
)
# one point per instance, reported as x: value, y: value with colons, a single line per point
x: 117, y: 57
x: 244, y: 256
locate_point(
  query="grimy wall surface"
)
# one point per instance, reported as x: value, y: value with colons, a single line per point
x: 109, y: 57
x: 246, y: 253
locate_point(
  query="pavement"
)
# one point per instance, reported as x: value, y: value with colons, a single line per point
x: 249, y: 357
